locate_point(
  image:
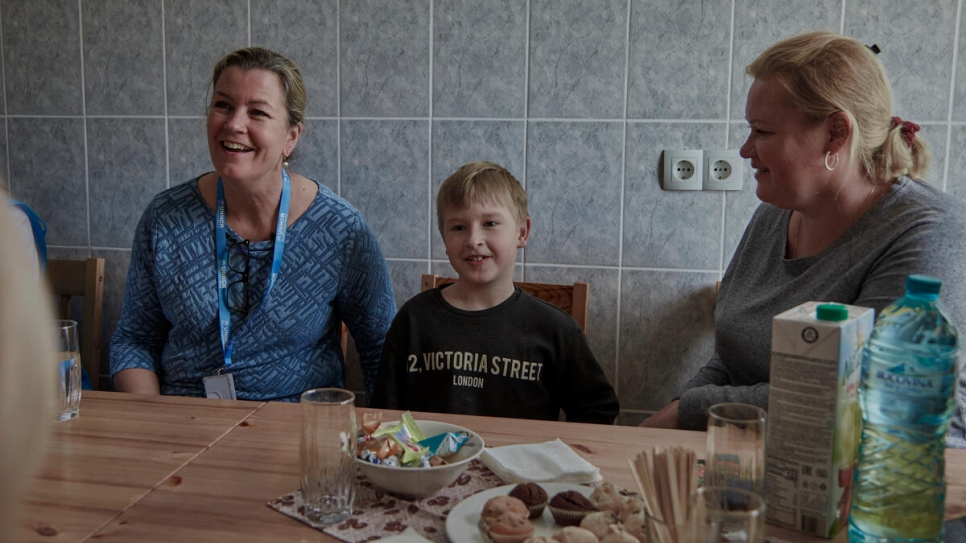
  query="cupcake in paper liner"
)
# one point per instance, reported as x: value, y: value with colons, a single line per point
x: 504, y: 520
x: 506, y: 528
x: 533, y: 496
x: 570, y: 507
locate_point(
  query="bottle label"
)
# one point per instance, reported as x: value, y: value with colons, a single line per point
x: 910, y: 385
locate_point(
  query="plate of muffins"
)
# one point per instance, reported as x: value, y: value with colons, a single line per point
x: 547, y: 512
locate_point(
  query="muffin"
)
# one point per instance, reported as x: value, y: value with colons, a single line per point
x: 574, y: 534
x: 570, y: 507
x: 498, y: 505
x: 504, y: 520
x: 633, y: 518
x: 540, y: 539
x: 606, y: 498
x: 599, y: 522
x: 533, y: 496
x: 506, y: 528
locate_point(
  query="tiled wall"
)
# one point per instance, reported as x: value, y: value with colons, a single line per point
x: 103, y: 103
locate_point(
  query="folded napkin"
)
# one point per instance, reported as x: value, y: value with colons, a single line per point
x: 551, y: 461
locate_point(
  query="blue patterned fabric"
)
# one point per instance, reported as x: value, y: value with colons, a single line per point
x: 332, y: 271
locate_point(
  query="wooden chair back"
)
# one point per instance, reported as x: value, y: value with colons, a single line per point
x: 70, y: 278
x: 574, y: 299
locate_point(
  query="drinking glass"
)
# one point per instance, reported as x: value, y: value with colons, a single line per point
x: 736, y: 447
x: 68, y: 370
x: 327, y: 452
x: 726, y: 515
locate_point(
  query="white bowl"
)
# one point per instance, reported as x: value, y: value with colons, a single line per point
x: 415, y: 483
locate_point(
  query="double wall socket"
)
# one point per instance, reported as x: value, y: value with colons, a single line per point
x: 694, y: 169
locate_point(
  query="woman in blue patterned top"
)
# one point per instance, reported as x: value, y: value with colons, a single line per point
x: 241, y: 277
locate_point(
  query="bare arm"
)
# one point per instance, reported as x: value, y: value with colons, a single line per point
x: 138, y: 381
x: 665, y: 418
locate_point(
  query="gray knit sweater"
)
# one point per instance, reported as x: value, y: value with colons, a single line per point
x: 913, y: 228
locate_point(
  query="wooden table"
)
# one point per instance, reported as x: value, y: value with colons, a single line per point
x: 143, y: 468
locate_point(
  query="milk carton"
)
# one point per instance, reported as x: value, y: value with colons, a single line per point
x: 814, y: 419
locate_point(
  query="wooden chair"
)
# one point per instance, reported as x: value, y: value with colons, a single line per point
x: 70, y: 278
x: 573, y: 299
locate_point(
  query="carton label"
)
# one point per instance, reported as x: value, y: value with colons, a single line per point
x: 814, y: 419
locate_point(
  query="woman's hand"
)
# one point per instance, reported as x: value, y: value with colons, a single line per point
x: 138, y: 381
x: 665, y: 418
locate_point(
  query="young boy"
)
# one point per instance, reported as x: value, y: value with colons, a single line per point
x: 482, y: 346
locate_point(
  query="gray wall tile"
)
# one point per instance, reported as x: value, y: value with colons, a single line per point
x: 41, y: 46
x: 935, y: 136
x: 58, y: 194
x: 194, y: 44
x: 456, y: 143
x: 188, y: 155
x: 385, y: 58
x: 959, y: 93
x: 406, y: 276
x: 479, y: 58
x: 919, y: 73
x: 123, y: 57
x: 666, y: 334
x: 665, y: 229
x: 577, y: 58
x: 317, y: 153
x: 678, y: 64
x: 761, y: 23
x: 956, y: 183
x: 126, y: 169
x: 385, y: 174
x: 305, y: 31
x: 574, y: 186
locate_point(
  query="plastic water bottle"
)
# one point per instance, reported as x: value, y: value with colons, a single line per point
x: 907, y: 394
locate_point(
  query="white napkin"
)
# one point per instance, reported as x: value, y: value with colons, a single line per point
x: 551, y: 461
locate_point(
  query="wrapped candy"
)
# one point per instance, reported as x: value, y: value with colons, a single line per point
x: 445, y: 444
x: 404, y: 444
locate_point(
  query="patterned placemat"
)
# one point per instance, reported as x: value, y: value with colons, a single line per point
x: 377, y: 514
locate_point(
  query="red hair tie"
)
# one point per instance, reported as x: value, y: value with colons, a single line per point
x: 908, y: 130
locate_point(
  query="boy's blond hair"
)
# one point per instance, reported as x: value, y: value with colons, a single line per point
x: 481, y: 182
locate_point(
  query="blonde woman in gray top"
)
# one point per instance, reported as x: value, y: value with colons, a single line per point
x: 844, y: 217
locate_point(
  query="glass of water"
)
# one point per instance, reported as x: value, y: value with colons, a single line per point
x: 68, y: 370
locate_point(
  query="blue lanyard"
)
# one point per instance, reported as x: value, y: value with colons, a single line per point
x: 221, y: 248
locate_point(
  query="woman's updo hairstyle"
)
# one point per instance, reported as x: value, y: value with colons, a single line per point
x: 825, y: 72
x: 259, y: 58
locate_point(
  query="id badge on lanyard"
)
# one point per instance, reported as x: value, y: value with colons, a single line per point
x: 222, y: 382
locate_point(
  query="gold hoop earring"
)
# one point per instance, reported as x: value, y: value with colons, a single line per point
x: 832, y: 166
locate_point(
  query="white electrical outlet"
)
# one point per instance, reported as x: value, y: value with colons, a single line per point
x: 723, y: 170
x: 683, y: 169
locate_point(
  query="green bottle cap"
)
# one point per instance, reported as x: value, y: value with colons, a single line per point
x: 832, y: 312
x: 923, y: 285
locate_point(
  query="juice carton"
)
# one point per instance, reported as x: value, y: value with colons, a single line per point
x: 814, y: 418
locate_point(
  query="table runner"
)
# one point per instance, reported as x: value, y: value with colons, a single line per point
x: 377, y: 514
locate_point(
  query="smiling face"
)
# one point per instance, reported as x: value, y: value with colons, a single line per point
x: 248, y: 131
x: 786, y: 150
x: 481, y: 241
